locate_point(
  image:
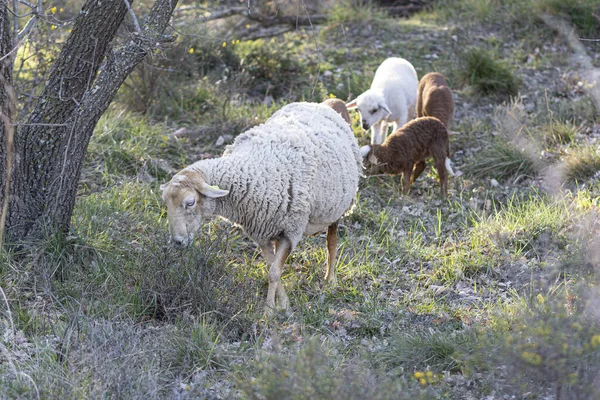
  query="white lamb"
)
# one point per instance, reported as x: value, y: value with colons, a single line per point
x: 392, y: 98
x: 294, y: 175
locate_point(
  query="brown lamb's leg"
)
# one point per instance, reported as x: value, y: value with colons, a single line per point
x: 406, y: 179
x: 440, y: 166
x: 332, y: 241
x: 419, y: 168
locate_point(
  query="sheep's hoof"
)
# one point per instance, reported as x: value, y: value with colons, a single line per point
x: 269, y: 310
x: 283, y: 302
x: 331, y: 280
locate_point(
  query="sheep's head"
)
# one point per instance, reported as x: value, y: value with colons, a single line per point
x: 189, y: 199
x: 372, y: 108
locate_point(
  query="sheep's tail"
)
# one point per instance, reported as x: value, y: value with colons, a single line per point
x: 449, y: 167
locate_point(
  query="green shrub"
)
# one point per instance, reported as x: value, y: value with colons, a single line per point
x: 274, y: 67
x: 582, y: 13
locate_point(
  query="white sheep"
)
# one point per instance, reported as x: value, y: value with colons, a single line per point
x: 392, y: 98
x: 294, y: 175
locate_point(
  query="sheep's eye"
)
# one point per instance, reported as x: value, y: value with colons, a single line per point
x: 373, y: 111
x: 189, y: 203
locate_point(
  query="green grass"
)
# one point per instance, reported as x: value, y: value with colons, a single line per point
x: 529, y: 226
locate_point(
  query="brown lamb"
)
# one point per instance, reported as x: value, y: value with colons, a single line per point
x: 435, y: 98
x: 340, y: 107
x: 405, y: 152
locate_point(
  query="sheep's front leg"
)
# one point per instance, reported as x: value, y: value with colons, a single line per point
x: 268, y: 253
x: 284, y: 248
x: 375, y: 133
x: 332, y: 241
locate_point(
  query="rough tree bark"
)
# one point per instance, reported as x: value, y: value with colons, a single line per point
x: 50, y: 146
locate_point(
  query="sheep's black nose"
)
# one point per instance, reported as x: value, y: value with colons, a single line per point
x: 365, y: 125
x: 178, y: 243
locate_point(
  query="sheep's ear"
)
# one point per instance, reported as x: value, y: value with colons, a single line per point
x: 365, y: 150
x: 352, y: 105
x: 164, y: 186
x: 387, y: 110
x: 212, y: 191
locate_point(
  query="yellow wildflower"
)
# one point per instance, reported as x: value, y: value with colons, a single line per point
x: 540, y: 299
x: 191, y: 51
x: 596, y: 340
x: 53, y: 27
x: 53, y: 10
x: 247, y: 26
x: 419, y: 375
x: 224, y: 44
x: 429, y: 375
x: 237, y: 41
x: 61, y: 10
x: 331, y: 96
x: 531, y: 358
x: 422, y: 381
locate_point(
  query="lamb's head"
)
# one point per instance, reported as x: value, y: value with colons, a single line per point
x: 370, y: 161
x: 189, y: 200
x: 372, y: 107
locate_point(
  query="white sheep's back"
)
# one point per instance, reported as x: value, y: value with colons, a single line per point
x: 396, y: 75
x: 315, y: 147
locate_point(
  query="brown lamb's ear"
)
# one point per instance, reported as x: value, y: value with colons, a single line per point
x: 352, y: 105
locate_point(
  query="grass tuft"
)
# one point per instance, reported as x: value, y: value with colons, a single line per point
x: 582, y: 163
x: 501, y: 160
x: 487, y: 75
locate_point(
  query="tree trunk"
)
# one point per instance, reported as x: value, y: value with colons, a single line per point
x: 50, y: 147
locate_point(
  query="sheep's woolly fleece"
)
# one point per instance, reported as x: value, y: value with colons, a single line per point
x: 295, y: 174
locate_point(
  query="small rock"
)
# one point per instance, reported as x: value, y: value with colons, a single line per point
x: 181, y: 132
x: 220, y: 141
x: 327, y: 73
x: 494, y: 183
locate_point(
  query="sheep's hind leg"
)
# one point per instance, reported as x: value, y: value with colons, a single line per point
x: 284, y: 248
x: 332, y: 241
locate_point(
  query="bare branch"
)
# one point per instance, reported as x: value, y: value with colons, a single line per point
x: 28, y: 4
x: 30, y: 24
x: 133, y: 17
